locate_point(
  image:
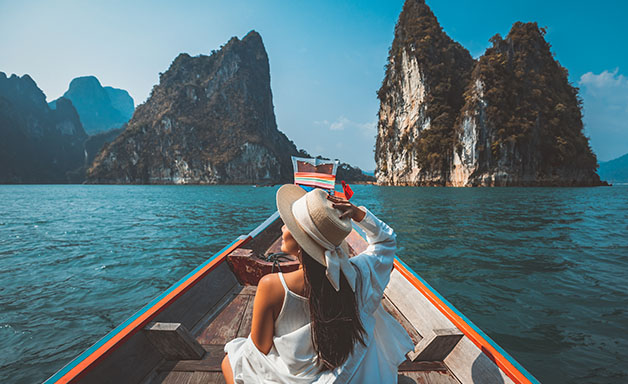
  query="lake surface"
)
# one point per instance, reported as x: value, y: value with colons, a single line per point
x: 543, y: 271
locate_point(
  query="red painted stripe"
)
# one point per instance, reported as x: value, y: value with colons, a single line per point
x: 144, y: 318
x: 499, y: 359
x: 324, y: 176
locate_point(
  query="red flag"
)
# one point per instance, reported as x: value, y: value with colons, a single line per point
x: 347, y: 190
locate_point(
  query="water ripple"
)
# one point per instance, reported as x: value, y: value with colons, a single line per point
x: 541, y: 270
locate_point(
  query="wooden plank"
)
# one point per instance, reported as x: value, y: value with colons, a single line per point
x: 210, y: 363
x: 422, y: 366
x: 414, y: 306
x: 225, y: 326
x: 195, y: 303
x: 245, y: 325
x: 216, y: 309
x: 207, y: 378
x: 173, y: 341
x: 177, y: 378
x: 427, y: 377
x: 467, y: 362
x: 401, y: 319
x: 438, y: 345
x: 250, y: 290
x: 153, y: 377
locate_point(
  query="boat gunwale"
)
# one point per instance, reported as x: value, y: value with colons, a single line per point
x: 117, y: 336
x: 506, y: 363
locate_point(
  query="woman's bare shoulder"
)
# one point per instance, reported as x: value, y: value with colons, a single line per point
x: 295, y: 281
x: 270, y: 292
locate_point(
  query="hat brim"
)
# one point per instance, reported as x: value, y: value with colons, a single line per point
x: 286, y: 196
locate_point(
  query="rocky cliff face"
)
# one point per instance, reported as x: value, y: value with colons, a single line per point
x: 38, y: 145
x: 209, y: 120
x: 521, y: 124
x: 421, y: 97
x: 511, y: 118
x: 100, y: 108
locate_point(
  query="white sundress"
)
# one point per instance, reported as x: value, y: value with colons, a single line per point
x: 291, y: 358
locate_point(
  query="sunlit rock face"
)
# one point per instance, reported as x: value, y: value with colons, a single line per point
x: 420, y: 99
x: 210, y: 120
x: 509, y: 118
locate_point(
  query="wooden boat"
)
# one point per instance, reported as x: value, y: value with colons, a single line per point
x: 179, y: 336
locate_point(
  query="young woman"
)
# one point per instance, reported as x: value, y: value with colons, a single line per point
x: 324, y: 322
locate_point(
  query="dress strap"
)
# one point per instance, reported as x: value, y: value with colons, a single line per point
x: 283, y: 282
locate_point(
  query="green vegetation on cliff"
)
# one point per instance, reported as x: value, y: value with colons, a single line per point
x: 509, y: 118
x: 530, y: 104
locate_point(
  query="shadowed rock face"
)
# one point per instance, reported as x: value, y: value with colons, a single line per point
x: 209, y: 120
x: 38, y: 145
x: 100, y: 108
x: 509, y: 118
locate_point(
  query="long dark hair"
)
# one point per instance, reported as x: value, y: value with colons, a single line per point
x: 335, y: 317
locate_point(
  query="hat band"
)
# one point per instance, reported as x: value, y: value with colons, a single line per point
x: 335, y: 257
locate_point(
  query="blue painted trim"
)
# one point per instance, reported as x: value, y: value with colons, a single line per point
x: 499, y: 349
x: 120, y: 327
x: 271, y: 219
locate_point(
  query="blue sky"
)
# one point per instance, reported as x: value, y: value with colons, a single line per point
x: 326, y: 57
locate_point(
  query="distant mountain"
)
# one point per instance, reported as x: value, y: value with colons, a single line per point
x: 614, y: 171
x: 100, y: 108
x: 38, y: 145
x: 352, y: 174
x: 210, y: 120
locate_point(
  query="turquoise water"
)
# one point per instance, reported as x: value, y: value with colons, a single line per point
x: 543, y: 271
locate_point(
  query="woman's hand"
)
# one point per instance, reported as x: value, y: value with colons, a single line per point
x: 348, y: 209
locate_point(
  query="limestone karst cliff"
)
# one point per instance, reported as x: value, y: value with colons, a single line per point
x: 209, y: 120
x: 420, y: 100
x: 509, y: 118
x: 522, y: 123
x: 37, y: 144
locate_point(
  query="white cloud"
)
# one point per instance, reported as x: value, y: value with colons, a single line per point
x: 605, y: 97
x: 339, y: 124
x: 344, y: 124
x: 344, y: 139
x: 604, y: 80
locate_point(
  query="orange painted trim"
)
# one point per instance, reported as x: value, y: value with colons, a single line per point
x: 137, y: 324
x: 500, y: 360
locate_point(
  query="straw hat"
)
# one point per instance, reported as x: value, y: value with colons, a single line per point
x: 323, y: 215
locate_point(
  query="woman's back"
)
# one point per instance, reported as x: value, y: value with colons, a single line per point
x: 294, y: 313
x: 348, y: 337
x: 293, y: 338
